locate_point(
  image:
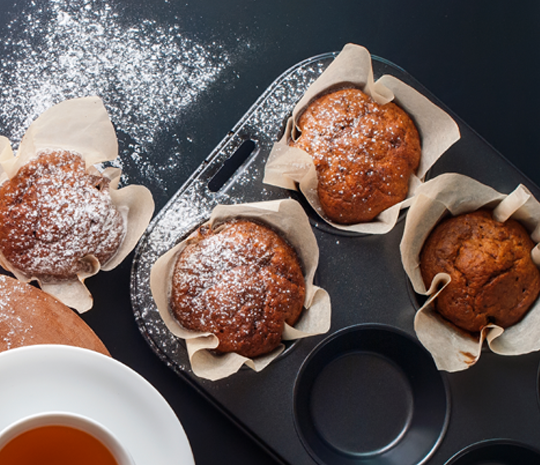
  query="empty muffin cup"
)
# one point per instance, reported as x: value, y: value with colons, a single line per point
x: 370, y: 394
x: 497, y: 452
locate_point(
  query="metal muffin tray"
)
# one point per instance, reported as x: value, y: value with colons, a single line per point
x: 366, y: 392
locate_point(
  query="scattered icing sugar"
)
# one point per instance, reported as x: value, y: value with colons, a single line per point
x: 14, y: 329
x: 193, y: 204
x: 146, y: 73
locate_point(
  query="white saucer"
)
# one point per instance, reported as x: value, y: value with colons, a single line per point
x: 41, y: 378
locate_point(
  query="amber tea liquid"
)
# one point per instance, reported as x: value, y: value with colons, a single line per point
x: 55, y: 445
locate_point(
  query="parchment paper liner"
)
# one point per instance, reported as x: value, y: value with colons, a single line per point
x: 288, y: 166
x: 452, y: 348
x: 285, y: 216
x: 82, y: 126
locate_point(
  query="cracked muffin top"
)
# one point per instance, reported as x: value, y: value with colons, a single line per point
x: 240, y: 281
x: 493, y: 277
x: 364, y: 153
x: 56, y: 218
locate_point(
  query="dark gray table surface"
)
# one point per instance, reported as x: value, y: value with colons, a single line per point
x: 177, y: 76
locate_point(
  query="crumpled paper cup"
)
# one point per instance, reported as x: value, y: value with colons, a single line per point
x: 452, y: 348
x: 289, y: 167
x: 81, y: 126
x: 288, y: 218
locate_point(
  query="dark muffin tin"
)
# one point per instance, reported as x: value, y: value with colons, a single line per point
x: 366, y: 392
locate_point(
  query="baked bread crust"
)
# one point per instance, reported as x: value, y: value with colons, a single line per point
x: 54, y: 214
x: 364, y: 153
x: 493, y: 278
x: 29, y: 316
x: 240, y: 281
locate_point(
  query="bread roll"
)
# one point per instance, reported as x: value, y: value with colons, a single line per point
x: 29, y: 316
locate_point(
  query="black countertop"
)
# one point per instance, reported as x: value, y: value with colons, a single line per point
x: 177, y: 76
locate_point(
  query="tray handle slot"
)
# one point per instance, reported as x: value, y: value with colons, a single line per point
x: 231, y: 165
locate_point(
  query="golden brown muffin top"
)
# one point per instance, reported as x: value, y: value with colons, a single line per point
x: 53, y: 214
x: 364, y: 153
x: 240, y: 281
x: 493, y: 278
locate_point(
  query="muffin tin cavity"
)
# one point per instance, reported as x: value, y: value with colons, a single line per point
x: 317, y: 222
x: 370, y: 394
x: 497, y: 452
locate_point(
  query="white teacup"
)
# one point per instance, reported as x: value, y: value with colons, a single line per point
x: 72, y: 420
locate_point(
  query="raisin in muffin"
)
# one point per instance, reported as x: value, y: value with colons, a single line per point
x: 240, y: 281
x: 54, y: 215
x: 364, y: 153
x: 493, y: 278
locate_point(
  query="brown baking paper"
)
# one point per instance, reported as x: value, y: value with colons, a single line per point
x: 451, y: 348
x: 289, y: 167
x: 81, y: 126
x: 285, y: 216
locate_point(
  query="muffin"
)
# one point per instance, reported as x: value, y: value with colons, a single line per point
x: 364, y: 153
x: 241, y: 281
x: 493, y: 278
x: 55, y: 216
x: 29, y: 316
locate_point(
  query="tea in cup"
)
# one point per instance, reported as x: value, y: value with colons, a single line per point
x: 60, y: 438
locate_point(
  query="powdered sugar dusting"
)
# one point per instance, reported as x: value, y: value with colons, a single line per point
x: 145, y: 72
x: 240, y: 281
x: 193, y: 204
x: 15, y: 327
x: 15, y: 331
x: 53, y: 215
x: 364, y: 153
